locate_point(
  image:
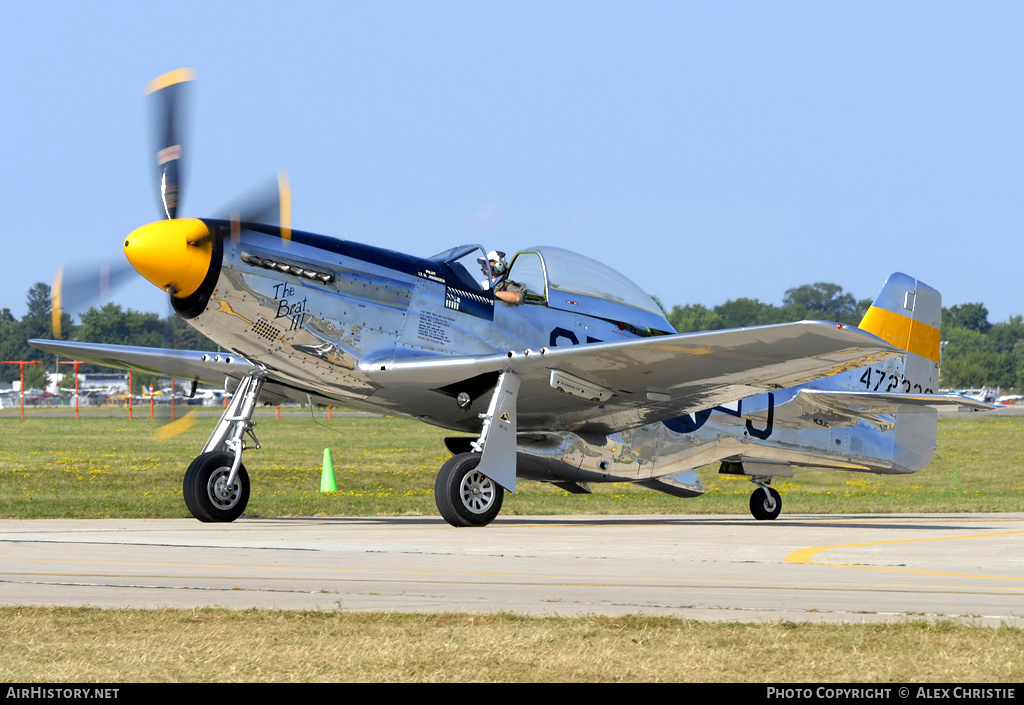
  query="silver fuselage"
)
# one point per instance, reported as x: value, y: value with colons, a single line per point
x: 271, y: 303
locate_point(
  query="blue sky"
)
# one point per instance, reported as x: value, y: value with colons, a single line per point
x: 708, y: 150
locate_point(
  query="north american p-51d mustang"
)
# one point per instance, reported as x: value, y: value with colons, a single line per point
x: 560, y: 368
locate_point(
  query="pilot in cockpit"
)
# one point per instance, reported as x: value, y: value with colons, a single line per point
x: 499, y: 266
x: 504, y: 290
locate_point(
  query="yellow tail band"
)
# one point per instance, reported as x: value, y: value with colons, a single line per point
x: 913, y: 336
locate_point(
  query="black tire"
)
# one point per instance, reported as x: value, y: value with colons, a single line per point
x: 205, y: 494
x: 765, y: 503
x: 464, y: 496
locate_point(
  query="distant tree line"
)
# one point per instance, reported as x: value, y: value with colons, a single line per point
x: 975, y: 353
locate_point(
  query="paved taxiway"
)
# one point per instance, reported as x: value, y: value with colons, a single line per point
x: 850, y: 568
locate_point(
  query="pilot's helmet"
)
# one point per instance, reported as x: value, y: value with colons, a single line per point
x: 498, y: 263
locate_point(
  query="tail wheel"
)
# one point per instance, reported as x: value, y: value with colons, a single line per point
x: 207, y: 493
x: 765, y: 503
x: 465, y: 496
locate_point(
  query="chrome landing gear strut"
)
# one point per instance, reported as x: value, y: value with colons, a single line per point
x: 216, y: 485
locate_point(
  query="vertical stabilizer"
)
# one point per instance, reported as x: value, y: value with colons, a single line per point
x: 907, y: 313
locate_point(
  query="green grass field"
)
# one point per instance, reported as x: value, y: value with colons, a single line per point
x: 113, y: 467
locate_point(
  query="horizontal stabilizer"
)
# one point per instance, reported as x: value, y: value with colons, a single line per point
x: 873, y: 406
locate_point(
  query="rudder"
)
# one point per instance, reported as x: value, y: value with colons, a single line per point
x: 908, y: 313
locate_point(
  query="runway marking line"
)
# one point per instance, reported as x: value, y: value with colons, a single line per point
x: 334, y: 575
x: 545, y: 581
x: 805, y: 556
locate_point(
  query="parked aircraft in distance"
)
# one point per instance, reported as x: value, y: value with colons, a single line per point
x: 560, y: 368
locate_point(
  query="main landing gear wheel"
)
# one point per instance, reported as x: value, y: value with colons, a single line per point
x: 207, y: 494
x: 464, y: 496
x: 765, y: 503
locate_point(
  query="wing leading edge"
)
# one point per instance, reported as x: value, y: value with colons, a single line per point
x: 206, y: 367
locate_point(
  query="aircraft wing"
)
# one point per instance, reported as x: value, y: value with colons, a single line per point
x: 206, y: 367
x: 607, y: 387
x: 874, y: 407
x: 194, y: 365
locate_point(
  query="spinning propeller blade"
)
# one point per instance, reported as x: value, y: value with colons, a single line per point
x: 175, y: 428
x: 77, y: 286
x: 266, y: 204
x: 168, y: 92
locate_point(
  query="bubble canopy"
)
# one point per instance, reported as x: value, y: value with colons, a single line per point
x: 572, y: 282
